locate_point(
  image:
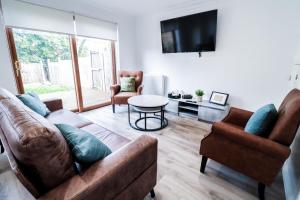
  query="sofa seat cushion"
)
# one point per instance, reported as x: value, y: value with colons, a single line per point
x: 112, y: 140
x: 125, y: 94
x: 122, y: 97
x: 67, y: 117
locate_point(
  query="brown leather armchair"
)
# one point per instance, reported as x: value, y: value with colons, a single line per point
x: 260, y: 158
x: 118, y: 97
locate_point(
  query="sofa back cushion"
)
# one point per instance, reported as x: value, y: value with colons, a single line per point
x: 37, y: 145
x: 288, y: 119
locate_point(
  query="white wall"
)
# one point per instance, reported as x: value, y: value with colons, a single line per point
x: 7, y: 79
x: 253, y: 57
x: 126, y: 29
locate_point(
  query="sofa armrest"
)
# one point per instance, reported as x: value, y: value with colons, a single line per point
x: 53, y: 104
x: 260, y: 144
x: 140, y: 89
x: 238, y: 116
x: 107, y: 178
x: 115, y: 89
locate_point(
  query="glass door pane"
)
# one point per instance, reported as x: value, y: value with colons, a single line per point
x: 46, y: 65
x: 95, y: 68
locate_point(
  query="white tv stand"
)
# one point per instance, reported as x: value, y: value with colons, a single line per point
x: 203, y: 111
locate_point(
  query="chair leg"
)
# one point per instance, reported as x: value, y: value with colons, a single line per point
x: 152, y: 193
x: 1, y: 147
x: 261, y: 191
x: 113, y: 108
x: 203, y: 164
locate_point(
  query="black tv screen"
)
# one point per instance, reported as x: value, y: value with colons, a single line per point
x: 192, y: 33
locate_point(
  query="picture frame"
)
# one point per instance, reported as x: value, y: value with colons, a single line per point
x: 219, y: 98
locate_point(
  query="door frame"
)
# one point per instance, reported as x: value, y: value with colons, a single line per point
x: 75, y: 66
x: 114, y: 61
x: 14, y: 60
x: 76, y: 74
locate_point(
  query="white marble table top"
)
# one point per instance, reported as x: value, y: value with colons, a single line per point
x: 148, y: 101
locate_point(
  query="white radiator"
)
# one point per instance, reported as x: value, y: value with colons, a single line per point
x: 154, y: 84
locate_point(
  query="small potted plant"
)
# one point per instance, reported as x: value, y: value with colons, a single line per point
x: 199, y: 94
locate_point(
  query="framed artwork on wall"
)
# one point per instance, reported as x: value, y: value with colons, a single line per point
x: 218, y: 98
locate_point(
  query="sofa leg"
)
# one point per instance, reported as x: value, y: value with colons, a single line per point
x: 261, y: 191
x: 1, y: 147
x: 203, y: 164
x: 152, y: 193
x: 113, y: 108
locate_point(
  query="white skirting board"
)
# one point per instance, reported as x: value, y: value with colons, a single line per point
x: 154, y: 84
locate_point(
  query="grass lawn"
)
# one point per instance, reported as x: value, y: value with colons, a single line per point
x: 46, y: 89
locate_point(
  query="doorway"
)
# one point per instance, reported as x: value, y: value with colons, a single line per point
x: 79, y: 70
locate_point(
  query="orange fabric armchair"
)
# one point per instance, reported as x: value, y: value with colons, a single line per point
x: 260, y: 158
x: 118, y: 97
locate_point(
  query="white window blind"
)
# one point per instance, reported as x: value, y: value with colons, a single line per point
x: 86, y: 26
x: 25, y: 15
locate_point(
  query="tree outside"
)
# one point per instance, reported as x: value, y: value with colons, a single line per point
x: 36, y: 47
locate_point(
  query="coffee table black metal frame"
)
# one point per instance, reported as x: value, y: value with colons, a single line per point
x: 148, y: 110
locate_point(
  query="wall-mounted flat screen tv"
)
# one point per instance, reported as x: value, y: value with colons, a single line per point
x: 192, y: 33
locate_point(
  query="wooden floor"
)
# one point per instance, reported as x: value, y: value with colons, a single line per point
x: 178, y: 163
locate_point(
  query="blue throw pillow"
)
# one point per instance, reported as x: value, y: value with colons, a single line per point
x: 85, y: 147
x: 262, y: 121
x: 33, y: 101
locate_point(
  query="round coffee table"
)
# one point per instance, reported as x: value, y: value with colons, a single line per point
x: 148, y: 104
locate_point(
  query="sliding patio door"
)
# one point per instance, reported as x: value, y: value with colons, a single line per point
x: 59, y: 54
x: 79, y: 70
x: 96, y: 70
x: 43, y: 64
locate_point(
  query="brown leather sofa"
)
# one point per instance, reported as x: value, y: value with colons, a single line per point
x: 41, y: 159
x: 260, y: 158
x: 118, y: 97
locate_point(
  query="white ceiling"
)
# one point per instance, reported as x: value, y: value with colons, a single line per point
x: 132, y: 7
